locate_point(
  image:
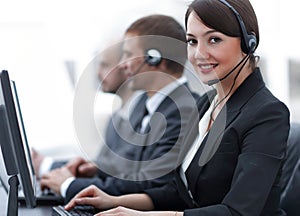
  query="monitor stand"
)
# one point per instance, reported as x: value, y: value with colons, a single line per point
x: 12, y: 207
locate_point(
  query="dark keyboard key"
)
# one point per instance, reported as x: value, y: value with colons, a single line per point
x: 84, y: 210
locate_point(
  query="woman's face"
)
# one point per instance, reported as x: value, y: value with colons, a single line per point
x: 212, y: 54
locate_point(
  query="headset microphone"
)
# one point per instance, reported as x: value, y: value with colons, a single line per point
x: 212, y: 82
x: 139, y: 68
x: 215, y: 81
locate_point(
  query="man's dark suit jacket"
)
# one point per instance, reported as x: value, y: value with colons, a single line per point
x: 241, y: 157
x: 149, y: 164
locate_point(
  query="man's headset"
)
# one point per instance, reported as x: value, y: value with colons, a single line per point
x: 248, y: 41
x: 153, y: 57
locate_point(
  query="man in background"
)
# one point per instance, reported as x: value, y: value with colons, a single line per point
x: 152, y: 134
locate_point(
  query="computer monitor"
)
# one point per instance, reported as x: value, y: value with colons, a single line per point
x: 14, y: 138
x: 8, y: 167
x: 8, y: 162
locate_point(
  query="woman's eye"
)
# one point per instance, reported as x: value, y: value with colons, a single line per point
x: 191, y: 41
x: 214, y: 40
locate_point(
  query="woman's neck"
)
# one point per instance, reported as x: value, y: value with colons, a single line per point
x: 228, y: 86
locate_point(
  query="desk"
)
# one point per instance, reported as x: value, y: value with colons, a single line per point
x: 37, y: 211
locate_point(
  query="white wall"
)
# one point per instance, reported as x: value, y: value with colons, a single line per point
x: 38, y: 37
x: 279, y: 32
x: 36, y: 40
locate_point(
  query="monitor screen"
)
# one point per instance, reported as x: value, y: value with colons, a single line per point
x: 16, y: 133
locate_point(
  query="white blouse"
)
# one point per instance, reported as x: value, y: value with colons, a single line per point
x: 203, y: 125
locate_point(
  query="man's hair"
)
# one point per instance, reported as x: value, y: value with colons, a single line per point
x: 168, y: 37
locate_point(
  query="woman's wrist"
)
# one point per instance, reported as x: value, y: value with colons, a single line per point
x: 163, y: 213
x: 178, y: 213
x: 133, y: 201
x: 116, y: 201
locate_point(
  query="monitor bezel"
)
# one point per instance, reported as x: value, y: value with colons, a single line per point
x: 13, y: 123
x: 7, y: 150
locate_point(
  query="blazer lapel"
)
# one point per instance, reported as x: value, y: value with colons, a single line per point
x: 188, y: 140
x: 192, y: 128
x: 138, y: 112
x: 228, y: 113
x: 215, y: 135
x: 226, y: 116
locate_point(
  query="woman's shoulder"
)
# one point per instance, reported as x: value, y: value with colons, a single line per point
x: 264, y: 99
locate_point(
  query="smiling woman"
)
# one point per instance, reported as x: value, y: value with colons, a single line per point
x: 237, y: 136
x: 35, y: 44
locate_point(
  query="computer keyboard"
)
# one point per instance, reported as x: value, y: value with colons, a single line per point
x: 84, y: 210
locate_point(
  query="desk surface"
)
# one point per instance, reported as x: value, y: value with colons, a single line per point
x: 37, y: 211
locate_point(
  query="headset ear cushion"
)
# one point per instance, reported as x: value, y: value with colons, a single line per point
x: 153, y: 57
x: 249, y: 46
x: 252, y: 43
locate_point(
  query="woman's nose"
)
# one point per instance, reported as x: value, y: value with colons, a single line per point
x: 201, y: 52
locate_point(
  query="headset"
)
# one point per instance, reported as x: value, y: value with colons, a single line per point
x: 248, y: 42
x: 153, y: 57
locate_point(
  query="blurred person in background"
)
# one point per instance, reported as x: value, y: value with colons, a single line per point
x: 151, y: 135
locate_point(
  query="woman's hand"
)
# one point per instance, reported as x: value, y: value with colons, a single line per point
x: 122, y: 211
x: 92, y: 196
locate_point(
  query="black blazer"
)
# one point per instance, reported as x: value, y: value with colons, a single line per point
x: 236, y: 170
x: 152, y: 162
x: 290, y: 196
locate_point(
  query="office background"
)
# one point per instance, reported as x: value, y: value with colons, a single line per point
x: 47, y: 45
